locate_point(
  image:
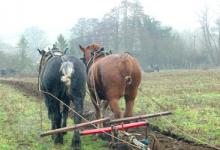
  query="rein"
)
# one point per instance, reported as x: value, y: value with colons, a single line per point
x: 96, y: 54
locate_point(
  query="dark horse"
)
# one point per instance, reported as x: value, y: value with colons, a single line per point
x: 65, y: 78
x: 110, y: 77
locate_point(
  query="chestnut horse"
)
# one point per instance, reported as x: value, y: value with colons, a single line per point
x: 110, y: 77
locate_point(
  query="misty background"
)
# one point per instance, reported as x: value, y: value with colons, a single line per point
x: 120, y: 26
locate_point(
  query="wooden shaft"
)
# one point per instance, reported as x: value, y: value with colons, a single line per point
x: 61, y: 130
x: 135, y: 118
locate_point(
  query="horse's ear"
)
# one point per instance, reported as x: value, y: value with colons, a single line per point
x: 82, y: 48
x: 40, y: 51
x: 89, y: 47
x: 65, y: 50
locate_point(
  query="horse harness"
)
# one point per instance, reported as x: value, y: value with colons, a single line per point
x: 95, y: 54
x: 51, y: 55
x: 54, y: 54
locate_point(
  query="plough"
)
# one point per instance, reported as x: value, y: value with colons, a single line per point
x: 117, y: 131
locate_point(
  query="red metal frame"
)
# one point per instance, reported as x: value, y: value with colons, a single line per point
x: 125, y: 126
x: 118, y: 127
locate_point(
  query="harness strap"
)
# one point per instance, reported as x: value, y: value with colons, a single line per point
x: 64, y: 58
x: 52, y: 54
x: 96, y: 54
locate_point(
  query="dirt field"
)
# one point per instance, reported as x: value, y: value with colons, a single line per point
x: 29, y: 86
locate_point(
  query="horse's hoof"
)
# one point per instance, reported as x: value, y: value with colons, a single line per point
x: 76, y: 145
x: 76, y: 148
x: 58, y: 140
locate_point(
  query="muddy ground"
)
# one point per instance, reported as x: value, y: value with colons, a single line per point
x: 167, y: 142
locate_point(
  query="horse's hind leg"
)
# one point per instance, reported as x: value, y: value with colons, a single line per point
x: 113, y: 103
x: 65, y: 113
x: 54, y: 115
x: 57, y: 117
x: 78, y: 103
x: 129, y: 102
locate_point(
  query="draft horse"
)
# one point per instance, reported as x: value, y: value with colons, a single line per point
x: 110, y: 77
x: 65, y: 78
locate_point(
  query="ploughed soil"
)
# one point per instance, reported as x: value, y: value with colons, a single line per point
x: 167, y: 141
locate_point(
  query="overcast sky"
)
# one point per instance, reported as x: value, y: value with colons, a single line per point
x: 58, y: 16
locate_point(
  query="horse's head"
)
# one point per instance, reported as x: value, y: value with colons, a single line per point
x: 88, y: 50
x: 86, y: 53
x: 45, y: 55
x: 95, y: 47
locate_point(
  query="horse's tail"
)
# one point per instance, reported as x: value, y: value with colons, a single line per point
x: 126, y: 67
x: 67, y: 70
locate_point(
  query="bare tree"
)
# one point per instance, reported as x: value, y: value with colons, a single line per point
x: 128, y: 28
x: 36, y: 38
x: 209, y: 39
x: 218, y: 30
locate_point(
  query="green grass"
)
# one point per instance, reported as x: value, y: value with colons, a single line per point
x: 193, y: 97
x: 20, y: 125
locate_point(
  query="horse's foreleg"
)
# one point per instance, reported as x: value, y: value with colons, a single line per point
x: 115, y: 108
x: 97, y: 109
x: 104, y: 105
